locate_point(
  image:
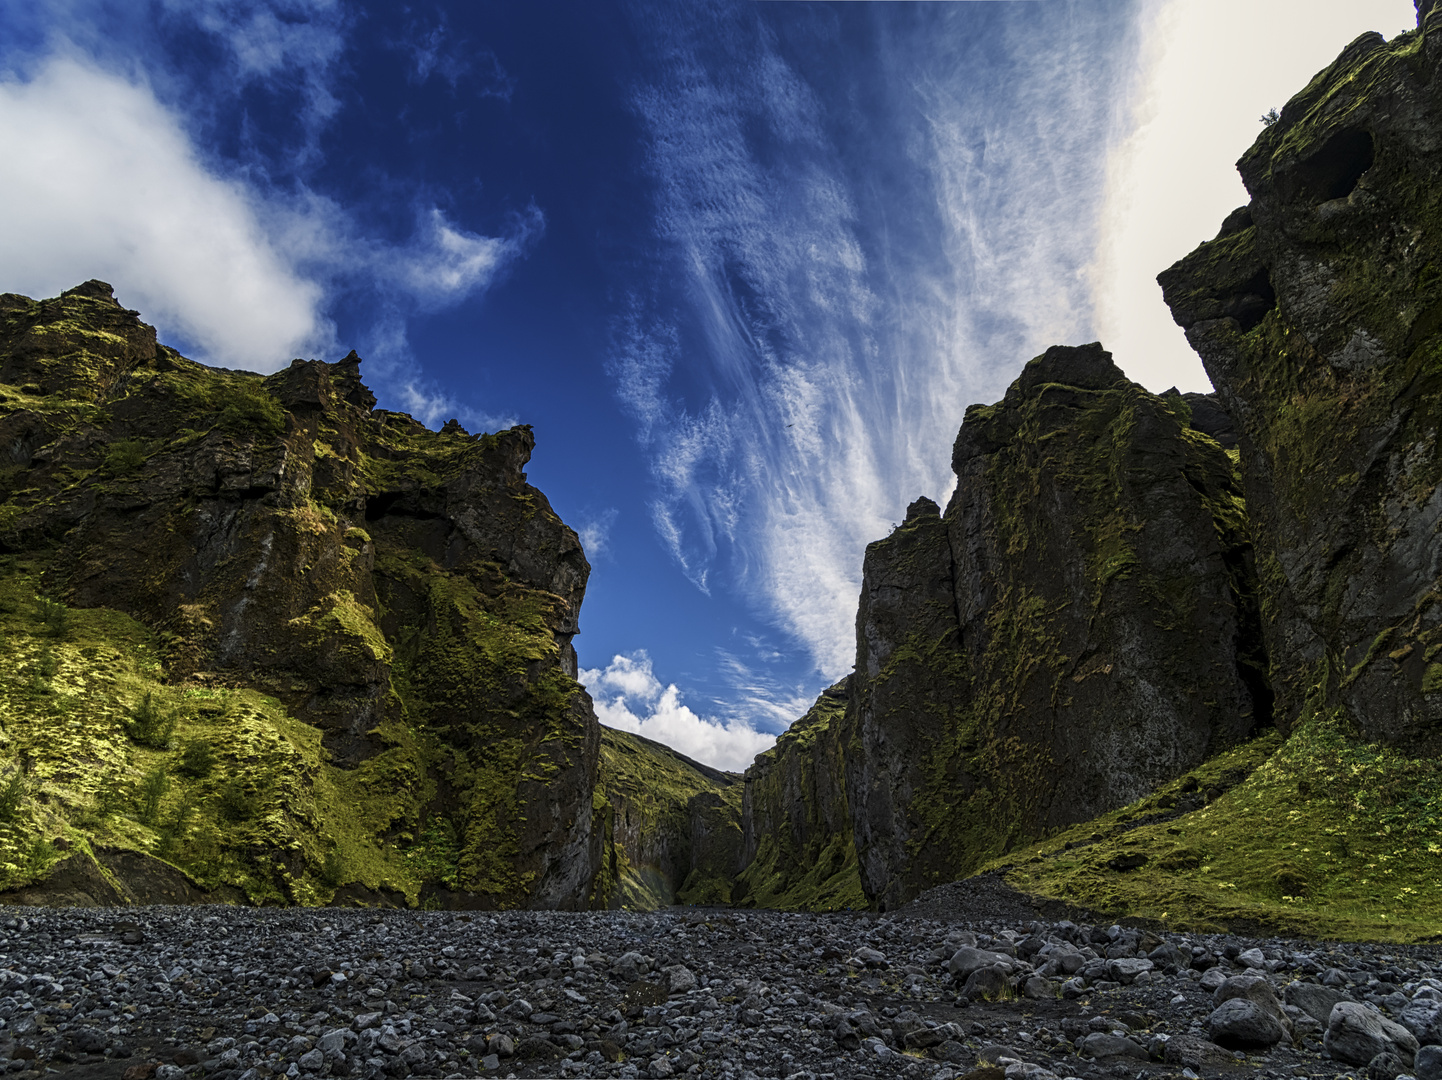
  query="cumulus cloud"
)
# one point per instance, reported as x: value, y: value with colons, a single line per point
x: 629, y: 697
x: 111, y: 185
x: 108, y: 185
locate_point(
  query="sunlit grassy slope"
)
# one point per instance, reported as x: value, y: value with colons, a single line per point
x: 1327, y: 836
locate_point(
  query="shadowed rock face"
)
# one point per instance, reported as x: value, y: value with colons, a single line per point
x: 404, y: 591
x: 797, y: 839
x: 1318, y: 314
x: 1078, y: 627
x: 671, y: 825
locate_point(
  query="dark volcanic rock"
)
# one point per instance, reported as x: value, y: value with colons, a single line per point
x: 671, y: 825
x: 402, y: 593
x: 1077, y: 628
x: 797, y: 846
x: 1318, y: 315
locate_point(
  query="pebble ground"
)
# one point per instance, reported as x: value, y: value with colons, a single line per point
x: 248, y: 994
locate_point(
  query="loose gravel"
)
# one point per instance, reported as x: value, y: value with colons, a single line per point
x: 244, y: 994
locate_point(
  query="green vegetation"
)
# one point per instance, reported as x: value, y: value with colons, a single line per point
x: 457, y: 727
x: 645, y: 792
x: 1326, y: 836
x: 12, y: 790
x: 811, y: 867
x: 151, y: 723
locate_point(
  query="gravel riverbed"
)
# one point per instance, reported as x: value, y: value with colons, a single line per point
x: 964, y: 981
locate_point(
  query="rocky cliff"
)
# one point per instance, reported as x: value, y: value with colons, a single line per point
x: 797, y: 846
x: 1317, y: 311
x: 671, y: 825
x: 1078, y: 627
x: 302, y: 648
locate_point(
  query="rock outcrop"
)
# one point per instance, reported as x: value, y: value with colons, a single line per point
x: 1078, y: 627
x: 334, y: 644
x: 1317, y: 311
x: 672, y: 825
x: 798, y: 850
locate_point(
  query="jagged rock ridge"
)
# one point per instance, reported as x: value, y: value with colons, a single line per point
x: 1078, y: 627
x: 1317, y: 311
x: 367, y: 623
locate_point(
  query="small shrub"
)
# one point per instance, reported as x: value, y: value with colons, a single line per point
x: 55, y: 616
x: 151, y: 723
x: 11, y: 792
x: 127, y: 455
x: 40, y: 854
x: 153, y: 788
x: 197, y: 760
x: 1270, y: 117
x: 110, y: 795
x: 332, y: 870
x: 237, y: 802
x: 250, y: 410
x: 172, y: 833
x: 47, y: 665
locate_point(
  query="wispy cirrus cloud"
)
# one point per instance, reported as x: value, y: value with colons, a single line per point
x: 846, y: 265
x: 435, y: 49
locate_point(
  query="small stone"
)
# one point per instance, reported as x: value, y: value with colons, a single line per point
x: 1126, y: 971
x: 312, y: 1060
x: 1241, y: 1023
x: 1386, y: 1067
x: 1212, y: 978
x: 679, y: 978
x: 1038, y: 989
x: 1428, y: 1063
x: 1101, y: 1045
x: 987, y: 984
x: 1252, y: 958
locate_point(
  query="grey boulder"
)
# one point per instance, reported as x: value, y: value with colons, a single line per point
x: 1428, y: 1063
x: 967, y: 959
x: 1101, y: 1045
x: 1240, y: 1023
x: 1423, y: 1018
x: 1358, y: 1033
x: 1314, y: 1000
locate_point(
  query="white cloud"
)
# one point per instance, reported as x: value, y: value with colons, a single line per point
x: 629, y: 697
x: 111, y: 185
x: 849, y: 281
x: 595, y: 533
x: 1202, y: 89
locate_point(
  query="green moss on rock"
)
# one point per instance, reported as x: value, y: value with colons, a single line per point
x: 1080, y: 626
x: 367, y: 625
x: 670, y: 821
x: 798, y: 850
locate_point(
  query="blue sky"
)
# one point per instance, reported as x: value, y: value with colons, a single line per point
x: 743, y: 266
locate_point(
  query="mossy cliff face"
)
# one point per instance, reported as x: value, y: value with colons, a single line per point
x: 1318, y: 314
x: 672, y: 825
x: 797, y: 845
x: 1079, y: 627
x: 368, y: 624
